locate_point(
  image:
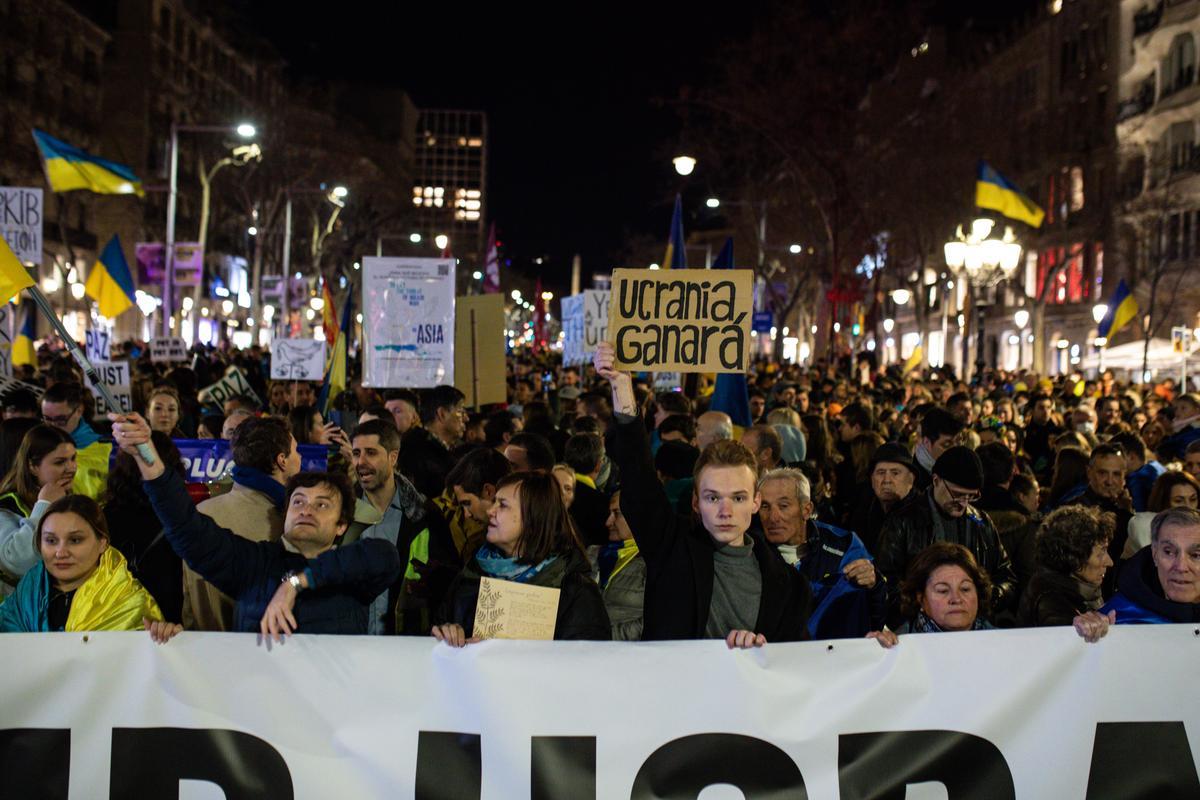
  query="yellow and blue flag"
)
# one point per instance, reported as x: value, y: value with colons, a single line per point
x: 13, y: 275
x: 676, y: 255
x: 110, y: 283
x: 994, y: 191
x: 335, y: 369
x: 68, y: 168
x: 731, y: 392
x: 1122, y: 309
x: 23, y: 349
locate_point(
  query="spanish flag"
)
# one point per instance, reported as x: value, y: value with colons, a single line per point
x: 676, y: 255
x: 994, y: 191
x: 110, y: 283
x: 23, y: 349
x: 68, y: 168
x: 1122, y: 309
x: 13, y: 275
x: 329, y: 320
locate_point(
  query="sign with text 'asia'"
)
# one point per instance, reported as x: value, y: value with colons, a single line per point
x: 684, y: 320
x: 21, y: 216
x: 408, y: 322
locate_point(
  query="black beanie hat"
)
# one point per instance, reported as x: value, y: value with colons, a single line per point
x: 960, y: 466
x: 893, y: 453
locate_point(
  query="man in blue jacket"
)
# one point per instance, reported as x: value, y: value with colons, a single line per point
x: 300, y: 582
x: 849, y: 595
x: 1161, y: 584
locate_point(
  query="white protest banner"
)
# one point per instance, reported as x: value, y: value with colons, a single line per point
x: 21, y: 216
x: 571, y: 317
x: 233, y: 384
x: 169, y: 350
x: 298, y: 359
x: 668, y: 381
x: 685, y: 320
x: 408, y: 322
x: 584, y: 324
x: 8, y: 332
x: 115, y: 377
x: 98, y: 344
x: 326, y: 716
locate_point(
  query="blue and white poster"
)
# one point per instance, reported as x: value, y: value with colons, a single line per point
x: 206, y: 460
x: 408, y: 322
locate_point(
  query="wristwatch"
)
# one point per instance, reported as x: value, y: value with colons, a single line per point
x: 293, y: 578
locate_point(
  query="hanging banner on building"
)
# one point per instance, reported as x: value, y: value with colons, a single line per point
x: 21, y: 217
x: 152, y: 262
x: 168, y: 351
x: 206, y: 460
x: 584, y: 324
x: 115, y: 377
x: 685, y: 320
x: 479, y: 349
x: 233, y: 384
x: 408, y: 322
x: 297, y: 359
x: 325, y: 716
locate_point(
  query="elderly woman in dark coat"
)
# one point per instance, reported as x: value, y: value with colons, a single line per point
x: 1072, y: 551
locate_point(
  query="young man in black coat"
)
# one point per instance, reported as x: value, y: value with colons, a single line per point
x: 717, y: 579
x: 299, y: 582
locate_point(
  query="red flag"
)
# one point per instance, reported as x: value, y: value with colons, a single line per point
x: 329, y: 319
x: 491, y: 270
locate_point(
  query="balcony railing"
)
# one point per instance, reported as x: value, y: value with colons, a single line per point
x: 1141, y: 101
x: 1181, y: 80
x: 1147, y: 19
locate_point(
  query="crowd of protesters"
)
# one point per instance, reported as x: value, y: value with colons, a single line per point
x: 907, y: 504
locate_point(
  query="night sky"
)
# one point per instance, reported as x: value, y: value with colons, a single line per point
x: 579, y: 149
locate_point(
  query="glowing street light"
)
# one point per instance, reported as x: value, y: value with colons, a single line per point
x: 246, y: 130
x: 795, y: 249
x: 684, y: 165
x: 1099, y: 312
x: 901, y: 296
x: 712, y: 202
x: 415, y: 238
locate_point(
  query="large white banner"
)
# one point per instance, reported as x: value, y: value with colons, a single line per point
x: 1004, y: 714
x: 408, y: 322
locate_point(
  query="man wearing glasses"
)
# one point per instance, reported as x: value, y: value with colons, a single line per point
x: 944, y: 513
x: 62, y: 407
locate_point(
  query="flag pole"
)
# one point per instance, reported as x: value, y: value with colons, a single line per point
x: 90, y: 371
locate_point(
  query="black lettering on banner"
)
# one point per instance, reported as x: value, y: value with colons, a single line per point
x: 35, y: 762
x: 563, y: 768
x: 150, y: 762
x: 1161, y: 753
x: 879, y: 766
x: 682, y: 768
x: 449, y: 766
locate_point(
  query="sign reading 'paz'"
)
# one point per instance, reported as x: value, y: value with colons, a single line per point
x: 681, y: 320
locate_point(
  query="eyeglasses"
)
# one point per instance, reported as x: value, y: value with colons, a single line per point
x: 959, y: 497
x: 59, y: 420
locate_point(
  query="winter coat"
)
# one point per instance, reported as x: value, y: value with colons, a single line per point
x: 1017, y: 529
x: 344, y: 580
x: 1056, y: 599
x: 425, y: 461
x: 679, y: 556
x: 18, y: 551
x: 624, y: 595
x: 912, y: 529
x: 841, y: 610
x: 1140, y: 598
x: 1116, y: 547
x: 581, y: 613
x: 138, y: 534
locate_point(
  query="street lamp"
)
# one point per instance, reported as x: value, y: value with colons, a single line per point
x: 1099, y: 312
x: 795, y: 249
x: 712, y: 202
x: 441, y: 240
x: 984, y: 261
x: 1021, y: 317
x: 684, y: 165
x: 415, y: 238
x: 246, y: 131
x: 901, y: 296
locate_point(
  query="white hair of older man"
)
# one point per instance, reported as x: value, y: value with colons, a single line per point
x: 798, y: 479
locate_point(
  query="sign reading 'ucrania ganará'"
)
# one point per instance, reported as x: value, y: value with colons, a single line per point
x: 408, y: 322
x: 684, y: 320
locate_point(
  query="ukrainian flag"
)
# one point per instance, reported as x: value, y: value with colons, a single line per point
x: 23, y: 350
x: 110, y: 283
x: 68, y: 168
x: 676, y: 255
x: 994, y: 191
x: 335, y: 370
x: 731, y: 392
x: 13, y: 275
x: 1122, y: 310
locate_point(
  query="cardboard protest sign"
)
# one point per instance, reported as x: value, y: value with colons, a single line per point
x: 115, y: 377
x: 510, y: 610
x: 233, y: 384
x: 479, y: 349
x: 298, y: 359
x: 21, y: 221
x: 685, y: 320
x: 166, y: 351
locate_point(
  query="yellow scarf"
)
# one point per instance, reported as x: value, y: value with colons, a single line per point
x: 111, y: 599
x: 585, y: 480
x: 627, y: 553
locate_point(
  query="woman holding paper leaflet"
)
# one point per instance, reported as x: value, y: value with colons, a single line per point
x: 530, y: 540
